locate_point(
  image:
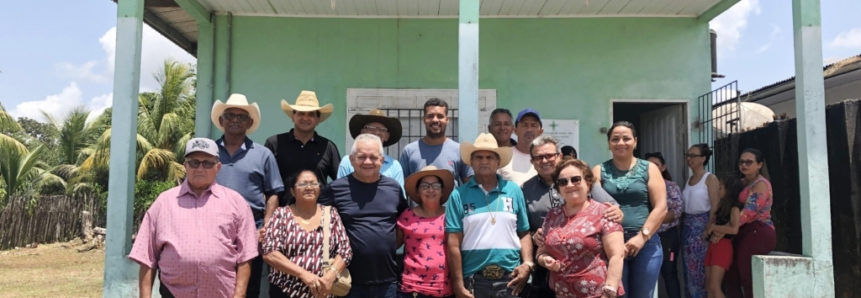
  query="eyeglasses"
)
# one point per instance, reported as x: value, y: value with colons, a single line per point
x: 372, y: 128
x: 231, y: 116
x: 691, y: 155
x: 746, y: 162
x: 435, y: 186
x: 564, y: 181
x: 373, y: 158
x: 548, y: 157
x: 307, y: 185
x: 194, y: 164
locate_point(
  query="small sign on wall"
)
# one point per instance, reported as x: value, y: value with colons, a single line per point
x: 567, y: 131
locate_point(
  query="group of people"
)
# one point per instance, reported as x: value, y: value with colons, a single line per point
x: 496, y: 217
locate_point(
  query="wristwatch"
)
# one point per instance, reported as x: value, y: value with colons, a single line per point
x: 646, y: 233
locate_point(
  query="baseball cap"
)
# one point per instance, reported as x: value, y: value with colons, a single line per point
x: 525, y: 112
x: 201, y: 145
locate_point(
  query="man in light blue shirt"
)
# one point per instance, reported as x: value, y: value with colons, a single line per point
x: 389, y: 131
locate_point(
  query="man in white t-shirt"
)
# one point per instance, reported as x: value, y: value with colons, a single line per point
x: 527, y: 127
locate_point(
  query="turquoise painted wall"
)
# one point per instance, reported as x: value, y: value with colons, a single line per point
x: 564, y: 68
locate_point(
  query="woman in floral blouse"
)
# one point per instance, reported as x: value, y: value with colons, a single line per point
x: 422, y: 231
x: 756, y: 235
x: 583, y: 250
x: 293, y: 244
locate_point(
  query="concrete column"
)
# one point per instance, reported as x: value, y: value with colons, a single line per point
x: 812, y: 146
x: 205, y: 84
x: 121, y: 274
x: 467, y: 70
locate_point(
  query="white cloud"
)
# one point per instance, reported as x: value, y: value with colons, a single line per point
x: 58, y: 105
x: 848, y: 39
x: 731, y: 24
x: 155, y: 49
x: 775, y: 33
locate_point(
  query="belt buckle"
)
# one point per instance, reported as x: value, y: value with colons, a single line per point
x: 492, y: 272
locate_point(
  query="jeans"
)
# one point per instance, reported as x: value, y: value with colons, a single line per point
x: 640, y: 274
x: 386, y: 290
x: 753, y: 238
x: 670, y: 241
x: 482, y: 287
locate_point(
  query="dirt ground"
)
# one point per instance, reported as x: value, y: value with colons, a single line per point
x: 51, y: 270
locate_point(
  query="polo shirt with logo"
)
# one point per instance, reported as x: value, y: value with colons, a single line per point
x: 471, y: 211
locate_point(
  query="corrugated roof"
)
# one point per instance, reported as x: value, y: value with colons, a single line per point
x: 828, y: 71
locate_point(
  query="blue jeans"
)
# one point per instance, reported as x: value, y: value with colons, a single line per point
x: 386, y: 290
x: 640, y: 274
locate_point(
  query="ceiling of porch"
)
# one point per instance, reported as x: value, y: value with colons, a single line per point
x: 449, y: 8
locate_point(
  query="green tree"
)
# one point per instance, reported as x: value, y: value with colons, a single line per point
x: 165, y: 124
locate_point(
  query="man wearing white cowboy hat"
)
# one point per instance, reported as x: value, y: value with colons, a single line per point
x: 486, y: 225
x: 247, y: 167
x: 302, y: 148
x: 389, y: 131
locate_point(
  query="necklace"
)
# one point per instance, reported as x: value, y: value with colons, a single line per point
x: 492, y: 216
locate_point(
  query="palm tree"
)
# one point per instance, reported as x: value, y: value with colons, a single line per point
x: 165, y: 124
x: 74, y: 133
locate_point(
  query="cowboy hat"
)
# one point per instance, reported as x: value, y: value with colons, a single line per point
x: 238, y: 101
x: 307, y: 102
x: 485, y: 142
x: 445, y: 176
x: 393, y: 125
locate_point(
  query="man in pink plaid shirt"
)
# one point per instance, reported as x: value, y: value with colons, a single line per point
x: 200, y: 236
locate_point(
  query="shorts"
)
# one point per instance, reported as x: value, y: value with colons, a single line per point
x: 719, y: 254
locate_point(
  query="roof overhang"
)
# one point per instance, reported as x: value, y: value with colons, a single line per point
x: 177, y: 19
x: 836, y: 74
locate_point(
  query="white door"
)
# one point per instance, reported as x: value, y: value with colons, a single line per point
x: 665, y: 131
x: 407, y: 105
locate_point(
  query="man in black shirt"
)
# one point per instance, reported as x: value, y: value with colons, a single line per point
x: 302, y: 148
x: 369, y: 205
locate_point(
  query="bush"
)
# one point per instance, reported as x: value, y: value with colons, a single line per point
x: 146, y: 191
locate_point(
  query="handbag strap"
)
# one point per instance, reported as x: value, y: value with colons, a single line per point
x: 326, y: 234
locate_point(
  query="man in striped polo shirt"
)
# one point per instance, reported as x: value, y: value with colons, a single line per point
x: 489, y: 248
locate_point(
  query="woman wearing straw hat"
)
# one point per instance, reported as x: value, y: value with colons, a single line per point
x: 421, y: 229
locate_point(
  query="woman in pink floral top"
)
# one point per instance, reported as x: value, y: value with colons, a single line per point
x: 756, y: 235
x: 422, y: 231
x: 583, y: 250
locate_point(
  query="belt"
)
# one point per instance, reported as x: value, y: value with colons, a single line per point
x: 493, y: 272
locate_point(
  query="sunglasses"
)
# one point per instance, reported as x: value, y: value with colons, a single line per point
x: 746, y: 162
x: 194, y: 164
x: 549, y: 157
x: 231, y: 116
x: 564, y: 181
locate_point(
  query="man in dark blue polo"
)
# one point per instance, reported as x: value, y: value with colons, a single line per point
x: 369, y: 205
x: 248, y: 168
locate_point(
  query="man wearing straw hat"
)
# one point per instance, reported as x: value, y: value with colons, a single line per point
x: 389, y: 131
x: 247, y: 167
x: 302, y: 148
x: 486, y: 225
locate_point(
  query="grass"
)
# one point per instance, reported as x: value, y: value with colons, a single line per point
x: 51, y: 270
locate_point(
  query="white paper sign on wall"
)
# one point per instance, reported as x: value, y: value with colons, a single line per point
x: 567, y: 131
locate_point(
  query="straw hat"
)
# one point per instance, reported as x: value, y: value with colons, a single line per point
x: 358, y: 122
x: 307, y: 102
x: 239, y: 101
x: 445, y: 177
x: 485, y: 142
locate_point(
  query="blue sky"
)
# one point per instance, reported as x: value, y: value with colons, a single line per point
x: 61, y: 51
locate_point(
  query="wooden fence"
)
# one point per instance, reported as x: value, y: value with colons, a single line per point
x: 53, y: 219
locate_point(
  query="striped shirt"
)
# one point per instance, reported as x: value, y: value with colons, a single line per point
x: 472, y: 212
